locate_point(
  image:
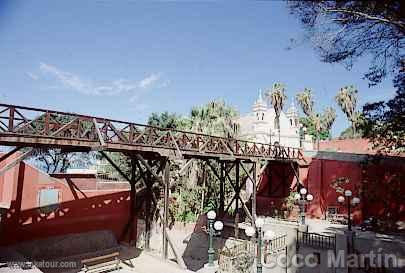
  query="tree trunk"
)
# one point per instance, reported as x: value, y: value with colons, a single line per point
x: 354, y: 129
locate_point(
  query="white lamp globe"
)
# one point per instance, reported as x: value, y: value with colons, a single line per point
x: 341, y: 199
x: 211, y: 215
x: 355, y: 200
x: 310, y: 197
x: 250, y: 231
x: 218, y: 225
x: 303, y: 191
x: 348, y: 193
x: 297, y: 196
x: 259, y: 222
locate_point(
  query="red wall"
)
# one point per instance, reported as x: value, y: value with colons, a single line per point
x: 83, y: 207
x: 276, y: 183
x: 378, y: 181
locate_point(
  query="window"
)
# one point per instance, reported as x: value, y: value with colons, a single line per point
x: 48, y: 200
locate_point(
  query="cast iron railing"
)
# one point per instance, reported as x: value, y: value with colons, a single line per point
x: 315, y: 240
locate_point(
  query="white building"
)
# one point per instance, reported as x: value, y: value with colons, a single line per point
x: 261, y: 125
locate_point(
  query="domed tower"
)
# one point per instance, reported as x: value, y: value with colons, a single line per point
x: 259, y: 107
x: 260, y: 124
x: 293, y: 117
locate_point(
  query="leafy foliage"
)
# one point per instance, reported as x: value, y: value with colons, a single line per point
x: 309, y: 124
x: 215, y: 118
x: 58, y: 161
x: 347, y: 100
x: 316, y: 124
x: 344, y: 31
x: 277, y: 98
x: 306, y: 101
x: 168, y: 120
x: 384, y: 122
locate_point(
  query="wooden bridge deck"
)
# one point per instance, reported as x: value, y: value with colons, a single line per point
x: 34, y: 127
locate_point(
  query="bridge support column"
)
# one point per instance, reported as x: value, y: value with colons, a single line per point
x: 237, y: 193
x: 256, y: 170
x: 222, y: 189
x: 166, y: 182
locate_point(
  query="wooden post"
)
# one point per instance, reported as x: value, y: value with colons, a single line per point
x: 237, y: 199
x: 166, y: 208
x: 148, y: 208
x: 256, y: 170
x: 11, y: 120
x: 222, y: 190
x: 132, y: 212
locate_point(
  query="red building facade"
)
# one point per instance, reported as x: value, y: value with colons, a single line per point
x: 82, y: 204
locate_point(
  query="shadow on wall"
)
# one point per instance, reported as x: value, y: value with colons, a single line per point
x: 276, y: 184
x: 95, y: 210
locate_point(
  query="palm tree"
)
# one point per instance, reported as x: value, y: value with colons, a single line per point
x: 347, y: 101
x: 215, y: 118
x: 218, y: 119
x: 321, y: 122
x: 328, y: 118
x: 277, y: 99
x: 306, y: 101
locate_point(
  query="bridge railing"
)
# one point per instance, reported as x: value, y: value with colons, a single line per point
x: 315, y: 240
x: 42, y: 123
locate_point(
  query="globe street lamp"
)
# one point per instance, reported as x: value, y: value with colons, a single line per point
x: 250, y: 232
x: 213, y: 229
x: 350, y: 201
x: 302, y: 198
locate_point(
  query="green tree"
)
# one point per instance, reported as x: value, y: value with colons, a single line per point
x: 344, y: 31
x: 215, y: 118
x: 347, y: 101
x: 328, y: 118
x: 317, y: 125
x: 59, y: 161
x: 306, y: 101
x: 218, y: 119
x: 384, y: 122
x: 277, y: 98
x: 168, y: 120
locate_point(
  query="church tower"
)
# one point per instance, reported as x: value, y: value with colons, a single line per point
x: 260, y: 127
x: 293, y: 117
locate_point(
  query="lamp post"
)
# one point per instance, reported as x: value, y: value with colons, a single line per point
x: 268, y: 235
x: 213, y: 229
x: 302, y: 198
x: 350, y: 201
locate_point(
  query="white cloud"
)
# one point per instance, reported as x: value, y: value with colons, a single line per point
x: 32, y: 76
x: 148, y: 81
x: 115, y: 87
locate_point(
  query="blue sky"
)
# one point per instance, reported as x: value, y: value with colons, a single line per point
x: 126, y: 59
